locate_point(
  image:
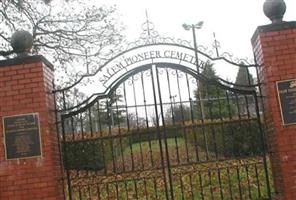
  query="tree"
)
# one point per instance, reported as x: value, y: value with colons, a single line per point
x: 243, y: 77
x: 70, y: 35
x: 211, y: 98
x: 178, y: 114
x: 243, y: 80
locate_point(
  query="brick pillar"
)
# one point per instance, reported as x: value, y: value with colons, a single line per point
x: 275, y: 50
x: 25, y: 87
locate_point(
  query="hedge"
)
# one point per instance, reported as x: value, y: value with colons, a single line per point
x: 228, y: 138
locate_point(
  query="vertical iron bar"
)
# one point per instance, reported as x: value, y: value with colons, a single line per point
x: 222, y: 124
x: 257, y: 181
x: 116, y: 188
x: 131, y: 151
x: 229, y: 183
x: 192, y: 118
x: 230, y: 125
x: 177, y: 150
x: 155, y: 187
x: 107, y: 190
x: 126, y: 189
x: 136, y: 188
x: 58, y: 135
x: 201, y: 185
x: 126, y: 107
x: 137, y: 121
x: 220, y: 184
x: 182, y: 187
x: 212, y: 120
x: 101, y: 135
x: 210, y: 184
x: 182, y: 115
x: 72, y: 128
x: 90, y: 122
x: 262, y: 137
x: 65, y: 158
x: 135, y: 100
x: 81, y: 125
x: 111, y: 143
x: 165, y: 136
x: 248, y: 179
x: 145, y: 189
x: 119, y: 134
x: 191, y: 188
x: 159, y: 135
x: 172, y: 103
x: 146, y: 119
x: 239, y: 182
x: 145, y: 102
x: 64, y: 100
x: 199, y: 100
x: 79, y: 193
x: 98, y: 192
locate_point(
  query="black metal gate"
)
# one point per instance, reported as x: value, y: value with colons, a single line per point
x: 164, y: 131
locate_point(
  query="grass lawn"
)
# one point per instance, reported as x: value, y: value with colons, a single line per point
x: 136, y: 173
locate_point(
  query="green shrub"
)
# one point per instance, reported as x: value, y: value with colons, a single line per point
x: 92, y: 154
x: 228, y: 138
x: 82, y: 155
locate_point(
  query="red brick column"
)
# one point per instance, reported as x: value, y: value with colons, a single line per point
x: 275, y: 50
x: 25, y: 87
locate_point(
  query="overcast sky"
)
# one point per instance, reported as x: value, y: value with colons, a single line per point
x: 233, y: 21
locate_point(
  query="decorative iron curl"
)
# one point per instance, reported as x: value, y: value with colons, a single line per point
x: 119, y: 90
x: 147, y: 73
x: 206, y: 51
x: 180, y: 74
x: 161, y: 71
x: 243, y: 62
x: 131, y: 80
x: 192, y: 80
x: 172, y: 71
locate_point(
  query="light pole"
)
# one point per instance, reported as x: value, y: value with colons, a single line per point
x: 173, y: 107
x: 187, y: 27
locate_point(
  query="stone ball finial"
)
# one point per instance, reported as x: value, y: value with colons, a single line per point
x: 21, y: 42
x: 274, y: 10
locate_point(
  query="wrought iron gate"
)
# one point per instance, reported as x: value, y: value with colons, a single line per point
x: 164, y: 131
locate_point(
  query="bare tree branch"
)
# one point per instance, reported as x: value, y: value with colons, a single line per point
x: 69, y: 35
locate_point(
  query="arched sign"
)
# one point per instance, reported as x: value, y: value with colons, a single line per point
x: 148, y: 50
x: 152, y: 54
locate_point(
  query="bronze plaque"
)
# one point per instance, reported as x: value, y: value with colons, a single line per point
x: 287, y: 98
x: 22, y: 138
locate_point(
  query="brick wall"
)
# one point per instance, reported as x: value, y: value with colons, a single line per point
x: 25, y: 86
x: 275, y: 50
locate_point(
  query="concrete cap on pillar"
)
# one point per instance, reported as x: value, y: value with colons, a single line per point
x: 274, y: 10
x: 21, y: 42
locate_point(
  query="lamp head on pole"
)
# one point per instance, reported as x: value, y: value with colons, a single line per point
x: 190, y: 26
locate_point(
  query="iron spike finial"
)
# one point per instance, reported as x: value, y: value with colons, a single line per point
x: 274, y: 10
x: 147, y: 23
x: 148, y: 34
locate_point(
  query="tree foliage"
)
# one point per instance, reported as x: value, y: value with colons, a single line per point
x: 178, y: 113
x: 73, y: 34
x: 243, y: 77
x: 211, y: 97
